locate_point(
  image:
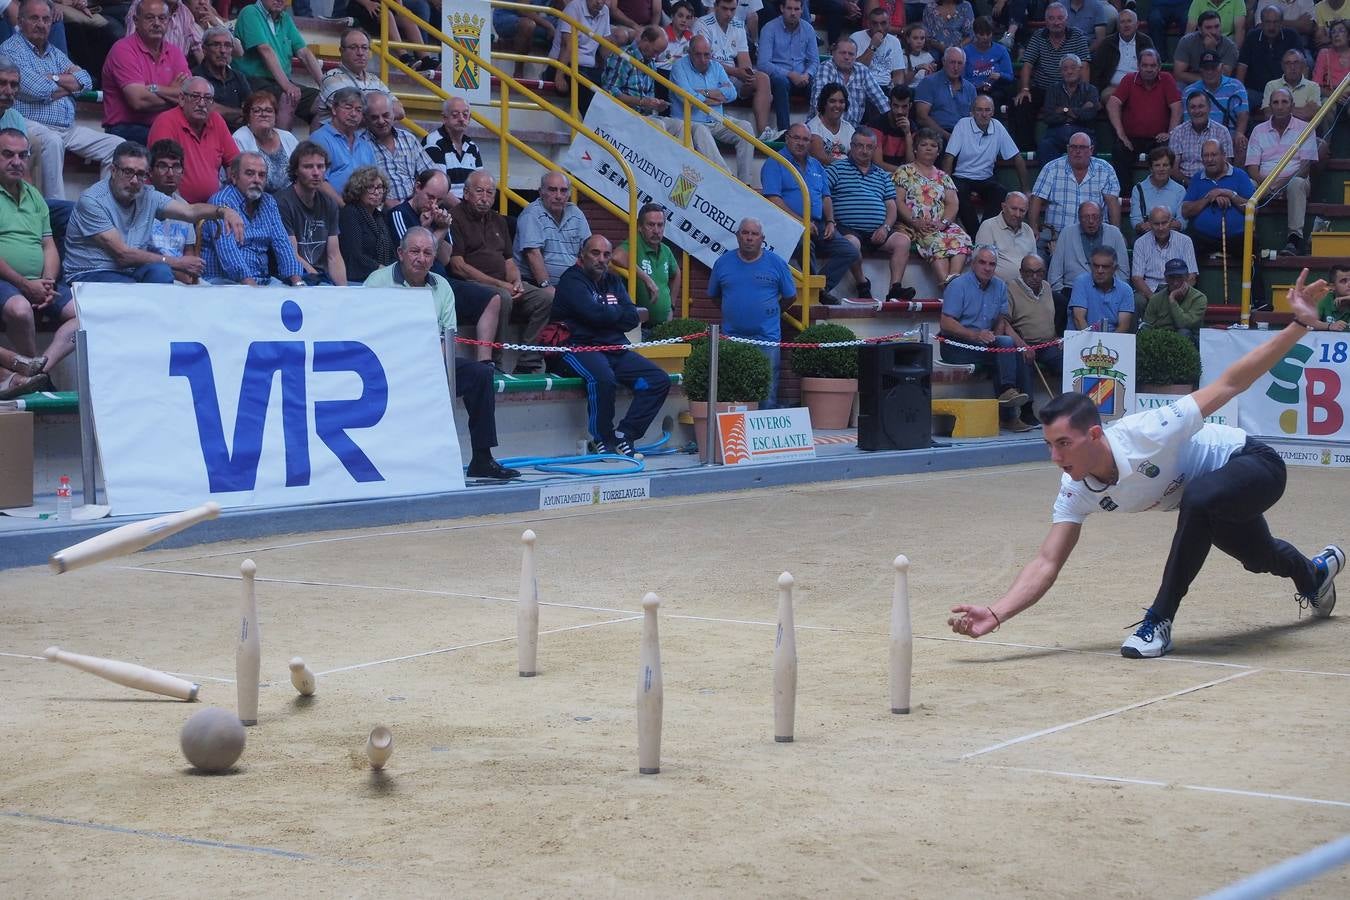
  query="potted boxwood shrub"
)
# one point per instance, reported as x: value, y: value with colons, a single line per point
x: 671, y: 357
x: 829, y: 374
x: 1165, y: 362
x: 742, y: 381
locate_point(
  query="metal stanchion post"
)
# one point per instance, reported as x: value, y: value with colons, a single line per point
x: 88, y: 477
x: 448, y: 350
x: 714, y: 335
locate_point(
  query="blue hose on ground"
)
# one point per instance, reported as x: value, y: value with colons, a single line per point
x: 580, y: 465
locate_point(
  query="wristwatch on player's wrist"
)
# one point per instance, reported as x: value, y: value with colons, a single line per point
x: 154, y: 89
x: 545, y: 283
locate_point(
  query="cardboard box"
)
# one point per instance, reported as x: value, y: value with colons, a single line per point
x: 16, y: 458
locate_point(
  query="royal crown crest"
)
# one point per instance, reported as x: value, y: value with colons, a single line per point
x: 467, y: 30
x: 1100, y: 380
x: 1099, y: 357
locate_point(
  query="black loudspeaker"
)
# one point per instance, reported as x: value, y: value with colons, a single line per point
x: 895, y: 396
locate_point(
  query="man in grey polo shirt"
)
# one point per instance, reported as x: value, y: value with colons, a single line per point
x: 978, y: 142
x: 550, y: 232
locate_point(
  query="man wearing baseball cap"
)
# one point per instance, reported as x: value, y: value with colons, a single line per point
x: 1176, y: 305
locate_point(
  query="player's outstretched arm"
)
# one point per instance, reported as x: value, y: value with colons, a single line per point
x: 1243, y: 373
x: 1029, y: 586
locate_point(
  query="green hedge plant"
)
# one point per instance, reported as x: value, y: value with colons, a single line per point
x: 742, y: 373
x: 825, y: 362
x: 677, y: 328
x: 1165, y: 357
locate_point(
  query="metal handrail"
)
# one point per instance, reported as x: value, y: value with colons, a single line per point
x: 1249, y: 231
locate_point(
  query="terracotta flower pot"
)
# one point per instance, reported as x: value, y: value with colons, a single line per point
x: 699, y: 410
x: 830, y: 401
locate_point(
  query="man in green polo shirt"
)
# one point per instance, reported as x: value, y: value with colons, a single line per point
x: 29, y: 267
x: 1176, y: 305
x: 658, y: 276
x: 1333, y: 311
x: 270, y: 39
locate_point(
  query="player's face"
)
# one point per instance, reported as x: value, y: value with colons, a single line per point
x: 1072, y: 450
x: 1342, y: 284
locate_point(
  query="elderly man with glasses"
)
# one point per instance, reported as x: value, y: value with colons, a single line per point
x: 1064, y: 184
x: 230, y: 85
x: 354, y: 58
x: 203, y: 135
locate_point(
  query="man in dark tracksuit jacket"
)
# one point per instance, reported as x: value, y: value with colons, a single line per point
x: 592, y: 302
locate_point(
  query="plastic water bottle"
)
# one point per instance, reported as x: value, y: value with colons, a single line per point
x: 63, y: 499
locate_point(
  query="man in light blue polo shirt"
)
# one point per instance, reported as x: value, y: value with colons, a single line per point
x: 349, y: 146
x: 942, y: 100
x: 698, y: 74
x: 975, y: 314
x: 781, y: 189
x: 1101, y: 298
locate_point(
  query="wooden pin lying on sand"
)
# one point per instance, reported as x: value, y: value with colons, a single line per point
x: 302, y: 677
x: 128, y: 674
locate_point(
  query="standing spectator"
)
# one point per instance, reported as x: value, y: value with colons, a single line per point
x: 1187, y: 138
x: 988, y: 64
x: 1270, y: 141
x: 1077, y: 243
x: 1071, y: 105
x: 635, y: 89
x: 926, y: 203
x: 1158, y: 189
x: 549, y: 233
x: 864, y: 199
x: 699, y: 75
x: 1101, y: 298
x: 348, y: 144
x: 366, y: 241
x: 1232, y: 17
x: 896, y: 130
x: 398, y: 152
x: 1065, y: 183
x: 143, y: 76
x: 787, y: 54
x: 1118, y: 56
x: 978, y: 142
x: 1143, y: 111
x: 260, y: 134
x: 949, y: 23
x: 1262, y: 52
x: 919, y: 63
x: 203, y: 135
x: 658, y: 272
x: 1207, y: 39
x: 1307, y: 95
x: 753, y: 286
x: 831, y: 134
x: 173, y: 237
x: 1009, y: 235
x: 593, y: 14
x: 270, y: 38
x: 878, y: 49
x: 1176, y: 305
x: 265, y: 255
x: 181, y: 30
x: 230, y: 86
x: 1155, y: 250
x: 1041, y: 68
x: 858, y: 81
x: 731, y: 51
x: 594, y: 305
x: 941, y: 101
x: 310, y: 217
x: 1032, y: 312
x: 1227, y: 100
x: 354, y: 50
x: 109, y: 235
x: 47, y: 79
x: 1213, y: 203
x: 451, y: 150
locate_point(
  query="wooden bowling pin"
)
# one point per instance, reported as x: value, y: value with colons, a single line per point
x: 527, y: 611
x: 302, y: 677
x: 784, y: 665
x: 650, y: 694
x: 125, y: 673
x: 902, y: 639
x: 248, y: 650
x: 379, y: 746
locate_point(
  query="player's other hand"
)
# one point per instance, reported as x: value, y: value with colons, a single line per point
x: 1303, y: 298
x: 975, y: 621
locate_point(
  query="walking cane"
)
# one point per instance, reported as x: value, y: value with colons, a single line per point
x: 1223, y: 251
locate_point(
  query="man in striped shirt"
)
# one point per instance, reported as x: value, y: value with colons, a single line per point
x: 1040, y: 68
x: 398, y: 153
x: 863, y: 197
x: 450, y: 150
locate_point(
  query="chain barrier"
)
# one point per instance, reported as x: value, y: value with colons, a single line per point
x: 981, y: 347
x: 601, y: 348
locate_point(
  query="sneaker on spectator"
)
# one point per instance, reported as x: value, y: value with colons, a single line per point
x: 601, y: 448
x: 899, y: 292
x: 828, y: 299
x: 624, y: 447
x: 1150, y: 640
x: 1016, y: 425
x: 1012, y: 398
x: 1327, y: 564
x: 770, y: 134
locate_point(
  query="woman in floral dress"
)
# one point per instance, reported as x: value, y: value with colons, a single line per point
x: 927, y: 201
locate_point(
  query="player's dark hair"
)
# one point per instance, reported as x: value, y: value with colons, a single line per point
x: 1338, y: 268
x: 1077, y: 408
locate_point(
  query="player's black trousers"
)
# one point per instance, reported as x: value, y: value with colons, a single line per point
x: 1224, y: 509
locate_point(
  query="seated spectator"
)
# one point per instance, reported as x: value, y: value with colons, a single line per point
x: 1101, y: 299
x: 1071, y: 105
x: 658, y: 272
x: 473, y: 380
x: 203, y: 135
x: 398, y: 152
x: 1040, y: 70
x: 1187, y: 138
x: 926, y: 200
x: 310, y: 217
x: 1118, y: 56
x: 731, y: 51
x: 1009, y: 235
x: 549, y: 233
x: 831, y: 134
x: 678, y: 31
x: 941, y: 101
x: 594, y: 14
x: 1158, y: 189
x: 260, y: 134
x: 1300, y: 15
x: 1307, y: 95
x: 635, y: 89
x: 1143, y: 111
x: 522, y: 31
x: 828, y: 246
x: 1270, y: 141
x: 1213, y: 205
x: 348, y: 144
x: 29, y: 271
x: 354, y: 50
x: 230, y: 85
x: 1176, y: 305
x: 1232, y: 18
x: 265, y: 255
x: 877, y: 48
x: 837, y: 17
x: 1333, y: 62
x: 1065, y: 183
x: 895, y: 130
x: 594, y: 305
x: 1327, y: 13
x: 1206, y: 38
x: 366, y: 14
x: 109, y: 235
x: 753, y: 286
x: 700, y: 76
x: 988, y: 64
x: 1155, y: 250
x: 181, y: 29
x: 858, y: 81
x: 1227, y: 100
x: 864, y: 199
x: 451, y: 150
x: 975, y: 311
x: 481, y: 253
x: 1077, y: 243
x: 1032, y: 313
x: 9, y: 89
x: 1262, y: 52
x: 787, y: 55
x: 143, y: 75
x: 173, y: 237
x: 1165, y: 14
x: 365, y: 238
x: 267, y: 31
x: 919, y: 63
x: 1333, y: 310
x: 949, y: 23
x: 978, y: 142
x: 47, y: 80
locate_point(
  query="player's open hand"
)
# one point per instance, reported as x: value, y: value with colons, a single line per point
x: 1303, y: 298
x: 975, y: 621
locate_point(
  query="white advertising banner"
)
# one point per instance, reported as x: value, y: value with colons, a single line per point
x: 764, y: 436
x: 470, y: 23
x: 704, y: 204
x: 266, y: 396
x: 1305, y: 396
x: 1101, y: 365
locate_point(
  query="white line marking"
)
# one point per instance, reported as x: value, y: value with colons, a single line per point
x: 1116, y: 779
x: 24, y: 656
x: 1110, y: 712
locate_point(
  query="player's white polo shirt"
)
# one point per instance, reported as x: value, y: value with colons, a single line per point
x: 1157, y: 452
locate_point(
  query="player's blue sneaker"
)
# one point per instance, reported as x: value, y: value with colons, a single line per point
x: 1327, y: 564
x: 1150, y: 640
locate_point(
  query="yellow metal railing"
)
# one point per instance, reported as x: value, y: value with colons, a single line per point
x: 1249, y: 232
